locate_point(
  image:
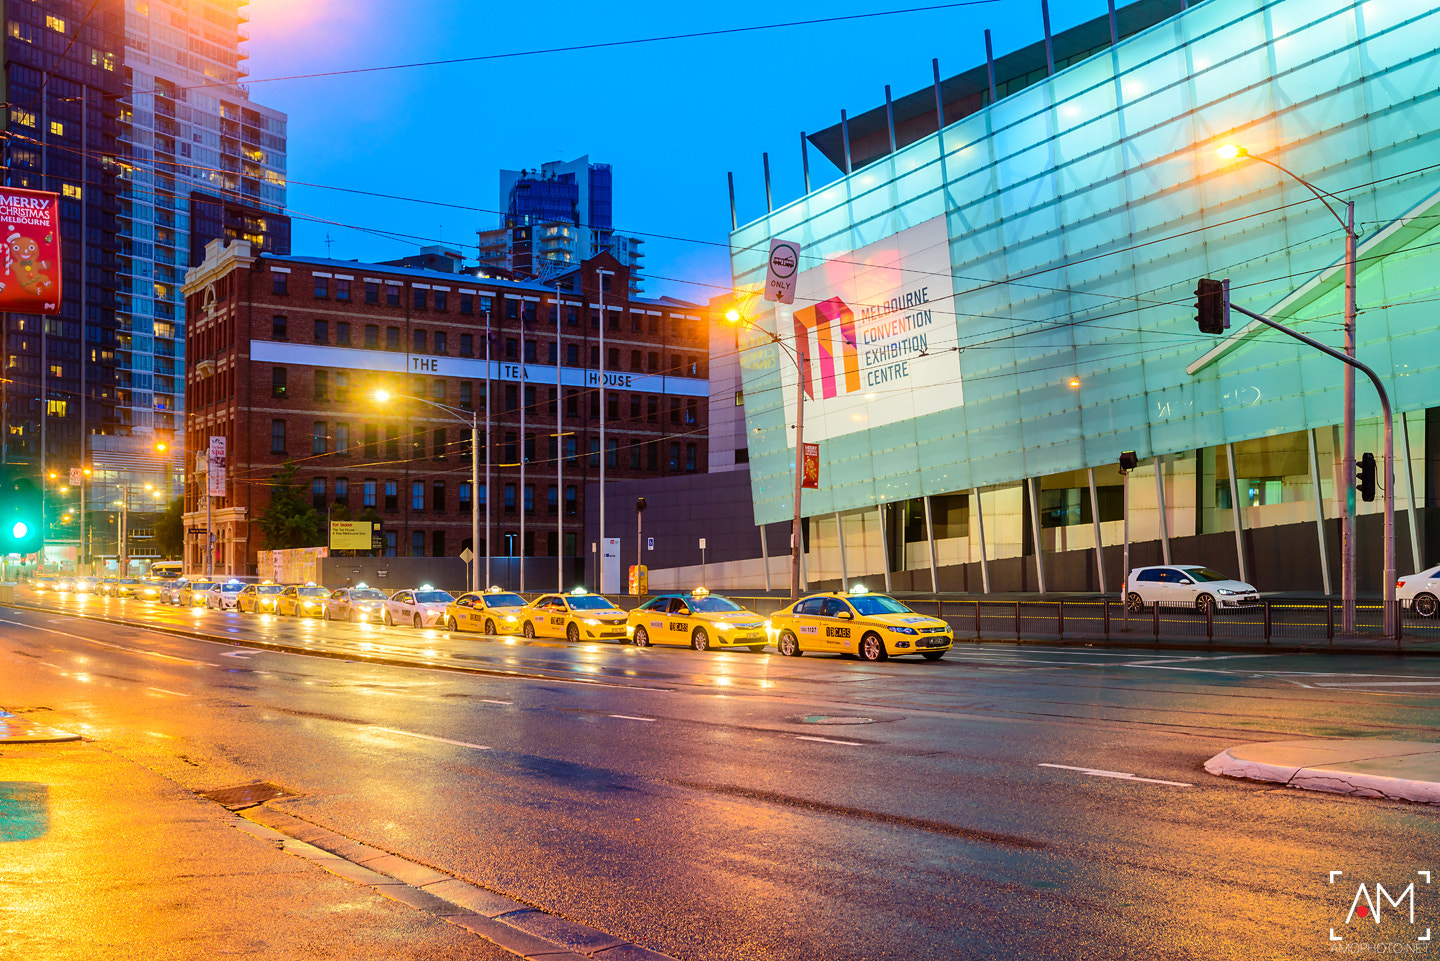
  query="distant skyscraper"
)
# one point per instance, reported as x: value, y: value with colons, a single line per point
x: 555, y: 217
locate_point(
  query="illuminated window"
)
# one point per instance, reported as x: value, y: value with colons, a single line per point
x: 57, y: 128
x: 56, y: 370
x: 56, y: 408
x: 72, y: 191
x: 55, y: 23
x: 22, y: 116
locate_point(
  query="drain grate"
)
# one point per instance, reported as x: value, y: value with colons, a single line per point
x: 246, y: 795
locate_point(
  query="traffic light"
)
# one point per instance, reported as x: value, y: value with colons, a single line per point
x: 1212, y: 307
x: 1365, y: 477
x: 22, y: 521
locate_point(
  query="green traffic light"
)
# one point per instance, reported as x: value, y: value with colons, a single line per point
x: 19, y: 530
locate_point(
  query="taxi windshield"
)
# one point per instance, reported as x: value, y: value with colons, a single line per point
x: 590, y: 602
x: 365, y: 594
x: 432, y: 597
x: 201, y: 585
x: 713, y: 604
x: 269, y: 589
x: 231, y: 588
x: 504, y: 600
x: 872, y: 604
x: 314, y: 592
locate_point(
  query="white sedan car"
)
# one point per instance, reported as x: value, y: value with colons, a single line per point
x: 418, y: 608
x: 224, y: 596
x: 1420, y: 592
x: 1187, y: 585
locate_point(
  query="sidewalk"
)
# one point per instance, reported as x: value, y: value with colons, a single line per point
x: 102, y: 858
x: 1362, y: 767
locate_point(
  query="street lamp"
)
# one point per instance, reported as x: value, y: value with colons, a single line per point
x: 734, y: 317
x: 1347, y: 520
x: 470, y: 418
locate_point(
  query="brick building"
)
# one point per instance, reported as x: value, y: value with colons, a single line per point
x: 284, y: 357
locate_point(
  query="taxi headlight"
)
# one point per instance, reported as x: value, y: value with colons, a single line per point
x: 592, y: 622
x: 904, y: 630
x: 509, y: 618
x: 1225, y: 591
x: 726, y: 626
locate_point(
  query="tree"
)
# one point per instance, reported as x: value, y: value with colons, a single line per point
x: 290, y: 520
x: 170, y: 531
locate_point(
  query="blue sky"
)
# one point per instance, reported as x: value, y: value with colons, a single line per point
x: 671, y: 117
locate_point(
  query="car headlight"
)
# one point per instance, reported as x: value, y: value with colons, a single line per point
x: 1226, y: 591
x: 510, y: 618
x: 726, y: 626
x: 904, y: 630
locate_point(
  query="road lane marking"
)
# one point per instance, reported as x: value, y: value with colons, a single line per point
x: 631, y: 717
x: 163, y: 691
x: 56, y: 666
x: 825, y: 740
x: 1121, y: 775
x: 118, y: 647
x: 491, y: 700
x: 1380, y: 684
x: 428, y: 737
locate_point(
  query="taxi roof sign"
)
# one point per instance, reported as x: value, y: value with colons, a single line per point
x: 859, y: 589
x: 700, y: 592
x: 579, y: 590
x: 494, y: 589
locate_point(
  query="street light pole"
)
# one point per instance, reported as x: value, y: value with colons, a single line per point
x: 600, y: 558
x: 795, y: 541
x: 475, y: 492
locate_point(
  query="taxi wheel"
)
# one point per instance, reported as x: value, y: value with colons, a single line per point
x: 572, y: 633
x: 1133, y: 603
x: 789, y: 645
x: 700, y: 640
x: 872, y: 648
x: 351, y: 616
x: 489, y: 627
x: 932, y: 655
x: 642, y: 637
x: 529, y: 630
x: 1425, y: 605
x: 450, y: 624
x: 389, y: 621
x: 417, y: 622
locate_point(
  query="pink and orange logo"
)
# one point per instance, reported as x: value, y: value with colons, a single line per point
x: 826, y: 332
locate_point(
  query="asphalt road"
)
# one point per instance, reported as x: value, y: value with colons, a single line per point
x: 732, y: 805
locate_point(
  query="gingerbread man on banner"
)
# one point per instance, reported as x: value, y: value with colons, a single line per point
x: 20, y: 263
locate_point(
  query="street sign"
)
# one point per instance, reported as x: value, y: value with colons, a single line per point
x: 76, y: 476
x: 467, y: 555
x: 811, y: 476
x: 350, y: 535
x: 649, y: 543
x: 780, y: 271
x: 215, y: 474
x: 702, y: 543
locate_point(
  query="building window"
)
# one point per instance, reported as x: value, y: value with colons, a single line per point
x: 372, y: 441
x: 278, y: 328
x: 509, y: 498
x: 437, y: 544
x: 392, y: 496
x: 322, y: 332
x: 512, y: 398
x: 527, y: 313
x: 437, y: 496
x: 635, y: 455
x: 692, y: 409
x: 420, y: 297
x: 634, y: 360
x: 571, y: 499
x: 594, y: 403
x: 392, y: 337
x: 595, y: 357
x: 417, y: 338
x: 342, y: 290
x: 342, y: 492
x: 612, y: 405
x: 511, y: 451
x: 277, y: 437
x: 322, y: 287
x: 367, y: 498
x: 529, y: 498
x: 674, y: 410
x: 322, y: 385
x: 317, y: 494
x: 612, y: 358
x: 372, y: 335
x: 594, y: 452
x: 466, y: 395
x: 652, y: 455
x: 571, y: 450
x: 572, y: 316
x: 512, y: 348
x: 392, y: 295
x: 739, y: 398
x: 467, y: 303
x: 612, y: 453
x: 634, y: 406
x: 652, y: 361
x: 437, y: 390
x: 342, y: 386
x: 552, y: 499
x: 342, y: 333
x: 442, y: 342
x: 391, y: 540
x: 530, y: 356
x: 342, y: 440
x: 320, y: 438
x: 279, y: 283
x: 392, y: 441
x: 674, y: 456
x: 440, y: 298
x: 467, y: 345
x: 572, y: 355
x: 512, y: 309
x: 417, y: 495
x: 277, y: 382
x: 438, y: 443
x: 372, y: 293
x: 652, y: 410
x: 690, y: 457
x: 464, y: 497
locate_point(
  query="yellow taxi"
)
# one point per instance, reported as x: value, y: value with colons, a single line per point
x: 699, y: 619
x: 493, y: 612
x: 872, y: 626
x: 575, y: 616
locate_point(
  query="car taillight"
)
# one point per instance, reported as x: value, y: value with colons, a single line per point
x: 1399, y: 584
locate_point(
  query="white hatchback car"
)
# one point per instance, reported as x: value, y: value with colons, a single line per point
x: 424, y: 607
x: 1187, y: 585
x: 1420, y: 592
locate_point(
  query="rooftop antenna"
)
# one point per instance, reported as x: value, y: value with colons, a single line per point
x: 327, y: 245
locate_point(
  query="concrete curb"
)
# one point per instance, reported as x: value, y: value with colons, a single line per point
x: 513, y: 925
x: 17, y: 730
x: 1371, y: 768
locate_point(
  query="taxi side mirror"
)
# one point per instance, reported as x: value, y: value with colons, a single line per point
x: 845, y: 616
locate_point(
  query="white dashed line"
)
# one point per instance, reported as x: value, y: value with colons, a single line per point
x: 163, y: 691
x: 427, y: 737
x: 825, y: 740
x: 1093, y: 772
x: 631, y: 717
x: 491, y: 700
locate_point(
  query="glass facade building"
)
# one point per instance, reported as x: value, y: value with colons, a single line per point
x: 997, y: 309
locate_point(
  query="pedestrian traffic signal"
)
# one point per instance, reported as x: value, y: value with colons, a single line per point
x: 22, y: 521
x: 1365, y: 477
x: 1211, y: 308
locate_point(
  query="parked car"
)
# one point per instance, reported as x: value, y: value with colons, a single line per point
x: 422, y: 607
x: 575, y: 616
x: 170, y: 590
x: 491, y: 612
x: 125, y: 587
x: 224, y: 595
x: 354, y: 604
x: 193, y: 593
x: 1187, y: 585
x: 1420, y: 592
x: 149, y: 589
x: 872, y: 626
x: 302, y: 601
x: 259, y: 598
x: 698, y: 619
x: 85, y: 585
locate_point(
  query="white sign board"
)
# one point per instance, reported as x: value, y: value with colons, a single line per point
x: 76, y: 477
x: 781, y: 270
x: 467, y: 555
x: 649, y: 543
x: 878, y: 336
x: 215, y: 468
x: 610, y: 572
